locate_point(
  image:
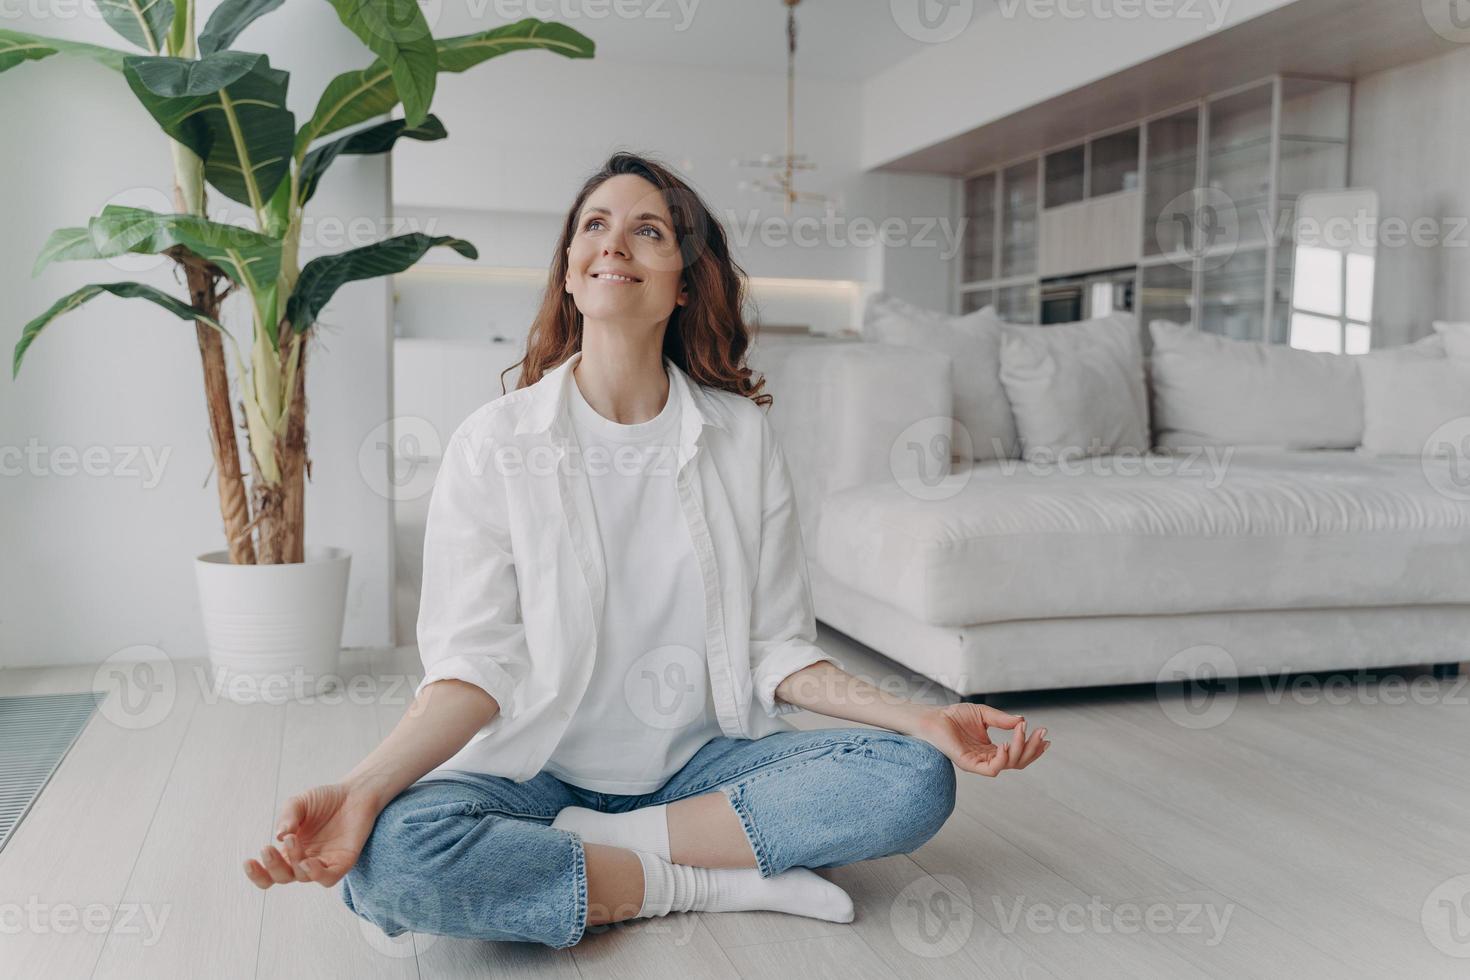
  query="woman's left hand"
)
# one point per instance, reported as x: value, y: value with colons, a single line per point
x: 959, y: 731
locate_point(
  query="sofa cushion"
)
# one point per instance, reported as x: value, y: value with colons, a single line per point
x: 1408, y: 404
x: 1076, y: 389
x: 1210, y: 390
x: 1155, y: 535
x: 1455, y: 336
x: 982, y: 415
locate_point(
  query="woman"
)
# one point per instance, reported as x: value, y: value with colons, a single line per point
x: 616, y: 613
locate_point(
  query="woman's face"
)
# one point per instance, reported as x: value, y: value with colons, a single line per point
x: 625, y: 230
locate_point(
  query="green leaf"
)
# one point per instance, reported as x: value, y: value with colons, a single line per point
x: 373, y: 139
x: 16, y: 47
x: 127, y: 290
x: 230, y: 109
x: 144, y: 22
x: 249, y: 258
x: 396, y: 31
x: 468, y: 50
x: 322, y: 277
x: 357, y: 96
x: 229, y: 19
x: 66, y: 244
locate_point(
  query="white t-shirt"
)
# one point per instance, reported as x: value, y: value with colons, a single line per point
x: 648, y: 706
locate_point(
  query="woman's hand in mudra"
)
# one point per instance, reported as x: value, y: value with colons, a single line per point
x: 959, y: 731
x: 321, y: 833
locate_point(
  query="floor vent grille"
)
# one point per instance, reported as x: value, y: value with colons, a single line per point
x: 36, y: 732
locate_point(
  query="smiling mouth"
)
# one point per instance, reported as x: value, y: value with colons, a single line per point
x: 614, y: 277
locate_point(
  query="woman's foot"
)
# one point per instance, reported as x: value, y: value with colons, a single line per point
x: 684, y: 888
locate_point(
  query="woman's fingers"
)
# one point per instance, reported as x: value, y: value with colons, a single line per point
x: 320, y: 872
x: 1035, y: 745
x: 996, y: 762
x: 258, y: 876
x: 292, y: 815
x: 1018, y: 742
x: 997, y: 718
x: 275, y: 864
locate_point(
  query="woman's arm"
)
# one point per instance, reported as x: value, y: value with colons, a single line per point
x: 321, y: 832
x: 957, y: 730
x: 438, y: 724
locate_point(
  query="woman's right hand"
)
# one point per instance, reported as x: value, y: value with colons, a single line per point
x: 322, y: 832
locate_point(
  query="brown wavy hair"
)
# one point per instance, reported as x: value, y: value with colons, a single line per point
x: 707, y: 337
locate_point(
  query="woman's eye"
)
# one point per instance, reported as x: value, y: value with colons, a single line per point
x: 598, y: 222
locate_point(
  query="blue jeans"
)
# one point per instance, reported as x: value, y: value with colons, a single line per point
x: 472, y: 855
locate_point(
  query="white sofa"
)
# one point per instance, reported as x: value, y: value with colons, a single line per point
x: 1112, y: 570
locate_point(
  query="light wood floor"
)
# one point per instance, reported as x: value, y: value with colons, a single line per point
x: 1298, y: 838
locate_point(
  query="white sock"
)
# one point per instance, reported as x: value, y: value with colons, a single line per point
x: 685, y: 888
x: 644, y: 829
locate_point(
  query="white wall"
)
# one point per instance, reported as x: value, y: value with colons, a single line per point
x: 1005, y: 63
x: 90, y: 565
x: 512, y: 166
x: 1410, y: 142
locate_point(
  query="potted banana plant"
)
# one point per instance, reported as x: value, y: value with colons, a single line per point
x: 271, y: 606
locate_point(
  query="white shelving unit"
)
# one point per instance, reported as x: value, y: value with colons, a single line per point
x: 1216, y: 181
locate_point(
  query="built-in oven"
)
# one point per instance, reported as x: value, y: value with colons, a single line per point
x: 1073, y: 298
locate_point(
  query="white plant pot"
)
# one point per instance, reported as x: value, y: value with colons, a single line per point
x: 274, y: 631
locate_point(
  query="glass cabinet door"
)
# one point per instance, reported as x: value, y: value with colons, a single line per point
x: 976, y: 299
x: 1233, y: 296
x: 1018, y: 304
x: 1114, y: 164
x: 979, y: 265
x: 1064, y: 173
x: 1239, y: 161
x: 1173, y: 161
x: 1019, y: 220
x: 1164, y: 292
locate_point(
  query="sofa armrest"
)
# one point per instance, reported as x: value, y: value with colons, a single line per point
x: 839, y: 407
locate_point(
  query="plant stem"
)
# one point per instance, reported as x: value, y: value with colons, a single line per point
x: 189, y: 198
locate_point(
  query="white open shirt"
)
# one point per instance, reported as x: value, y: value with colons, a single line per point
x: 514, y: 579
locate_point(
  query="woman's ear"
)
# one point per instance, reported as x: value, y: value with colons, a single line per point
x: 683, y: 299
